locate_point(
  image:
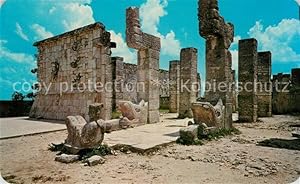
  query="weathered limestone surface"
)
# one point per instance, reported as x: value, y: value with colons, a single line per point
x: 71, y: 59
x: 118, y: 79
x: 188, y: 81
x: 264, y: 89
x: 234, y: 92
x: 64, y: 158
x: 83, y: 135
x: 219, y: 36
x: 212, y: 116
x: 129, y: 87
x: 174, y: 83
x: 189, y: 134
x: 247, y: 98
x: 148, y: 47
x: 133, y: 114
x: 295, y: 90
x: 286, y: 92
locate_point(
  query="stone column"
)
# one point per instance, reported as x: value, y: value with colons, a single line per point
x: 174, y: 85
x: 219, y: 76
x: 234, y: 93
x: 198, y: 95
x: 188, y: 81
x: 264, y: 88
x: 248, y: 77
x: 118, y: 79
x: 219, y: 36
x: 148, y: 47
x: 148, y: 82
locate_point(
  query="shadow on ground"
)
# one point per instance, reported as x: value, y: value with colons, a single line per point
x: 292, y: 144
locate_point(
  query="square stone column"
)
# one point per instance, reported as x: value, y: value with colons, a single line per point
x: 174, y: 85
x: 264, y: 86
x: 148, y: 82
x: 118, y: 79
x: 188, y: 81
x: 219, y: 76
x: 247, y: 98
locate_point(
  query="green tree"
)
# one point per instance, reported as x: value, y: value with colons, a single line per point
x: 17, y: 96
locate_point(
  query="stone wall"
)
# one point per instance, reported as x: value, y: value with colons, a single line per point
x: 295, y: 90
x: 128, y: 73
x: 247, y: 99
x: 174, y: 79
x: 286, y: 92
x: 73, y: 58
x: 264, y: 89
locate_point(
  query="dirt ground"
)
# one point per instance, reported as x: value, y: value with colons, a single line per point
x: 233, y: 159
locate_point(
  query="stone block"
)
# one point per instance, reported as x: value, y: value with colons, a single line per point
x: 189, y: 134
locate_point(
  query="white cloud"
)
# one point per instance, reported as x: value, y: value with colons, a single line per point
x: 235, y: 55
x: 236, y: 41
x: 2, y: 2
x: 19, y: 31
x: 5, y: 53
x: 278, y: 38
x: 122, y: 50
x: 77, y: 15
x: 52, y: 9
x: 41, y: 32
x: 234, y: 52
x: 150, y: 13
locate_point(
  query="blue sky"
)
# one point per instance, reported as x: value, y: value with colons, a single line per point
x: 274, y: 23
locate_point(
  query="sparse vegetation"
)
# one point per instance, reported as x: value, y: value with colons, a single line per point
x: 218, y: 134
x: 116, y: 114
x: 84, y: 154
x: 210, y: 136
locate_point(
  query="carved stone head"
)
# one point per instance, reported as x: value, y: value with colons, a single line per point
x: 95, y: 111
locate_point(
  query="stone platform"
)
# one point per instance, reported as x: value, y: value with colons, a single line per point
x: 21, y: 126
x: 148, y: 137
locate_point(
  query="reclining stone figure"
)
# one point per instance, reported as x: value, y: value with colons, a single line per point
x: 133, y: 114
x: 82, y: 134
x: 211, y: 116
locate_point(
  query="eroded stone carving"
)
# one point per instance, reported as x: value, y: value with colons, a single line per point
x: 82, y: 134
x: 55, y: 69
x: 212, y: 116
x: 133, y: 114
x: 211, y: 23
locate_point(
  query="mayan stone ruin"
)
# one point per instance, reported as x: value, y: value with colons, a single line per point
x: 247, y: 98
x: 188, y: 76
x: 148, y: 47
x: 159, y: 91
x: 219, y: 36
x: 174, y: 83
x: 264, y: 87
x: 286, y: 92
x: 73, y: 58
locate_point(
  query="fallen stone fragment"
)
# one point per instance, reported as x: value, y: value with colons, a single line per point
x: 64, y: 158
x: 95, y: 160
x: 296, y: 134
x: 189, y: 134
